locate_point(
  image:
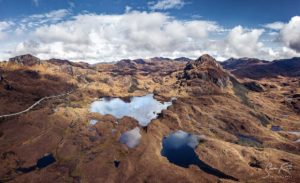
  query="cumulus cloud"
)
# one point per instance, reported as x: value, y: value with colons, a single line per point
x: 275, y: 25
x: 240, y: 42
x: 166, y: 4
x: 291, y: 34
x: 112, y: 37
x: 135, y: 34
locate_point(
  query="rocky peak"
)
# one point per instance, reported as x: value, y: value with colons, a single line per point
x: 208, y: 69
x: 28, y: 60
x: 207, y: 61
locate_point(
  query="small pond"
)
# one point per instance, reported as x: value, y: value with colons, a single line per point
x: 276, y: 128
x: 179, y: 149
x: 43, y: 162
x: 143, y: 109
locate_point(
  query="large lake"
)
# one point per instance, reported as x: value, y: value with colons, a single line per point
x: 143, y: 109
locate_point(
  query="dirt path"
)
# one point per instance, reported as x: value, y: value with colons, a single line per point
x: 35, y: 104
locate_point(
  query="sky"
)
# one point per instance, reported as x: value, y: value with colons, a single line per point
x: 110, y: 30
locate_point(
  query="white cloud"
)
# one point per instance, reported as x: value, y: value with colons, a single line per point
x: 112, y: 37
x: 274, y: 25
x: 134, y: 34
x: 52, y: 17
x: 291, y: 34
x: 241, y: 42
x: 166, y: 4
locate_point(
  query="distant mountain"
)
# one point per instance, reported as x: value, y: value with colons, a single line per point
x: 234, y: 63
x: 158, y: 59
x: 183, y: 59
x: 256, y: 69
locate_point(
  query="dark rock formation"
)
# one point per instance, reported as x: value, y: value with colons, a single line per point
x: 293, y: 102
x: 27, y: 60
x: 254, y: 86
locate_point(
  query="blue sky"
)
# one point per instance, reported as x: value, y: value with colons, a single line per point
x: 227, y: 12
x: 265, y: 29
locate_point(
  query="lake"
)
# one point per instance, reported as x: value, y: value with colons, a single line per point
x: 143, y: 109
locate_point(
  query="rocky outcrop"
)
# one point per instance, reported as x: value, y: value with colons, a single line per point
x: 208, y: 69
x: 26, y: 60
x: 293, y: 102
x: 254, y: 86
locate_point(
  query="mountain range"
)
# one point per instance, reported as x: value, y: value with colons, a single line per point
x: 239, y: 119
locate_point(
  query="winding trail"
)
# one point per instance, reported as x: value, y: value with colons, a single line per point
x: 35, y: 104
